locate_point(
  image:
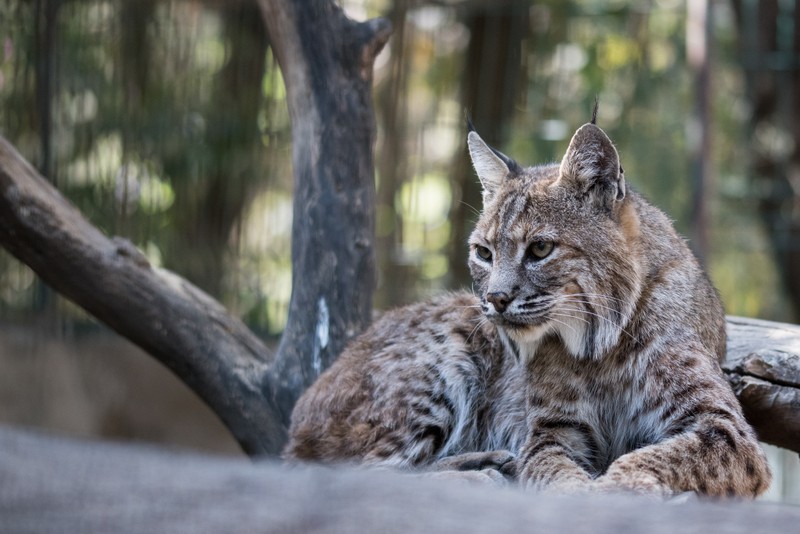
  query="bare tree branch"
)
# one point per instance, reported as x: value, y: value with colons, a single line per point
x: 185, y: 329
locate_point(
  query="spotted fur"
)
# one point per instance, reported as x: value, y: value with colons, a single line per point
x: 419, y: 386
x: 591, y: 351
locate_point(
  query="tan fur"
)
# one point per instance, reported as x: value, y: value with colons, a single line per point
x: 629, y: 221
x: 590, y: 352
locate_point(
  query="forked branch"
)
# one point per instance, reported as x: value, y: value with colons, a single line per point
x: 327, y: 62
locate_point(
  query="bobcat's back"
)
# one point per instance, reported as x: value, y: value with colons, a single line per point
x: 420, y: 384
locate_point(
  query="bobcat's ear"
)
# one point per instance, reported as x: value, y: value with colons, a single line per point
x: 591, y: 167
x: 491, y: 165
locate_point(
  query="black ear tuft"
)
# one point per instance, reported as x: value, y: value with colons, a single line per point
x: 470, y: 126
x: 512, y: 165
x: 594, y: 110
x: 591, y: 167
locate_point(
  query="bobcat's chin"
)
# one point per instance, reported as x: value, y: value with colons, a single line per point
x: 528, y: 333
x: 529, y: 321
x: 515, y: 323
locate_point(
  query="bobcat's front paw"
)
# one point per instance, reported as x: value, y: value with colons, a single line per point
x: 502, y: 461
x: 562, y: 479
x: 483, y: 477
x: 638, y: 483
x: 567, y: 486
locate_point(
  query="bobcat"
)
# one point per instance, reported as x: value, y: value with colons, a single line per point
x: 589, y: 359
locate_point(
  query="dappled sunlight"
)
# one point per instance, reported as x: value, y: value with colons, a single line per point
x: 262, y: 275
x: 170, y: 149
x: 16, y: 284
x: 744, y: 270
x: 99, y: 166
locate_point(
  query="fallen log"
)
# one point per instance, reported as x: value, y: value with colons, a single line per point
x: 57, y: 485
x: 763, y: 367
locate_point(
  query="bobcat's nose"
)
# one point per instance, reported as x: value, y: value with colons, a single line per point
x: 499, y: 300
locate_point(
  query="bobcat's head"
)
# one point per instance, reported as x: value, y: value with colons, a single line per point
x: 554, y: 251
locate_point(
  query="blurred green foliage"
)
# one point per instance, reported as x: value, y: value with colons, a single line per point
x: 169, y: 126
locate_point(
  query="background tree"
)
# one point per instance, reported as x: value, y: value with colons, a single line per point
x: 769, y: 41
x: 491, y: 82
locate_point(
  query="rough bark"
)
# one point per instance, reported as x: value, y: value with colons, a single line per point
x: 61, y: 486
x: 763, y: 367
x: 326, y: 60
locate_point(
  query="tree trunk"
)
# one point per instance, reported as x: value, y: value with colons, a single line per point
x: 772, y: 71
x: 326, y: 60
x: 698, y: 52
x: 46, y: 19
x: 393, y: 167
x: 207, y: 217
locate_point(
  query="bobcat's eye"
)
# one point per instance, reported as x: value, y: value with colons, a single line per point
x: 483, y: 253
x: 541, y: 249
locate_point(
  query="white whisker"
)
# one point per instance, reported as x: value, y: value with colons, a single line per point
x: 567, y: 298
x: 598, y: 295
x: 473, y: 208
x: 482, y: 322
x: 570, y: 316
x: 601, y: 317
x: 571, y: 327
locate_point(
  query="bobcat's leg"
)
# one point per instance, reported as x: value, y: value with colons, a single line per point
x: 552, y: 458
x: 719, y: 456
x: 708, y: 446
